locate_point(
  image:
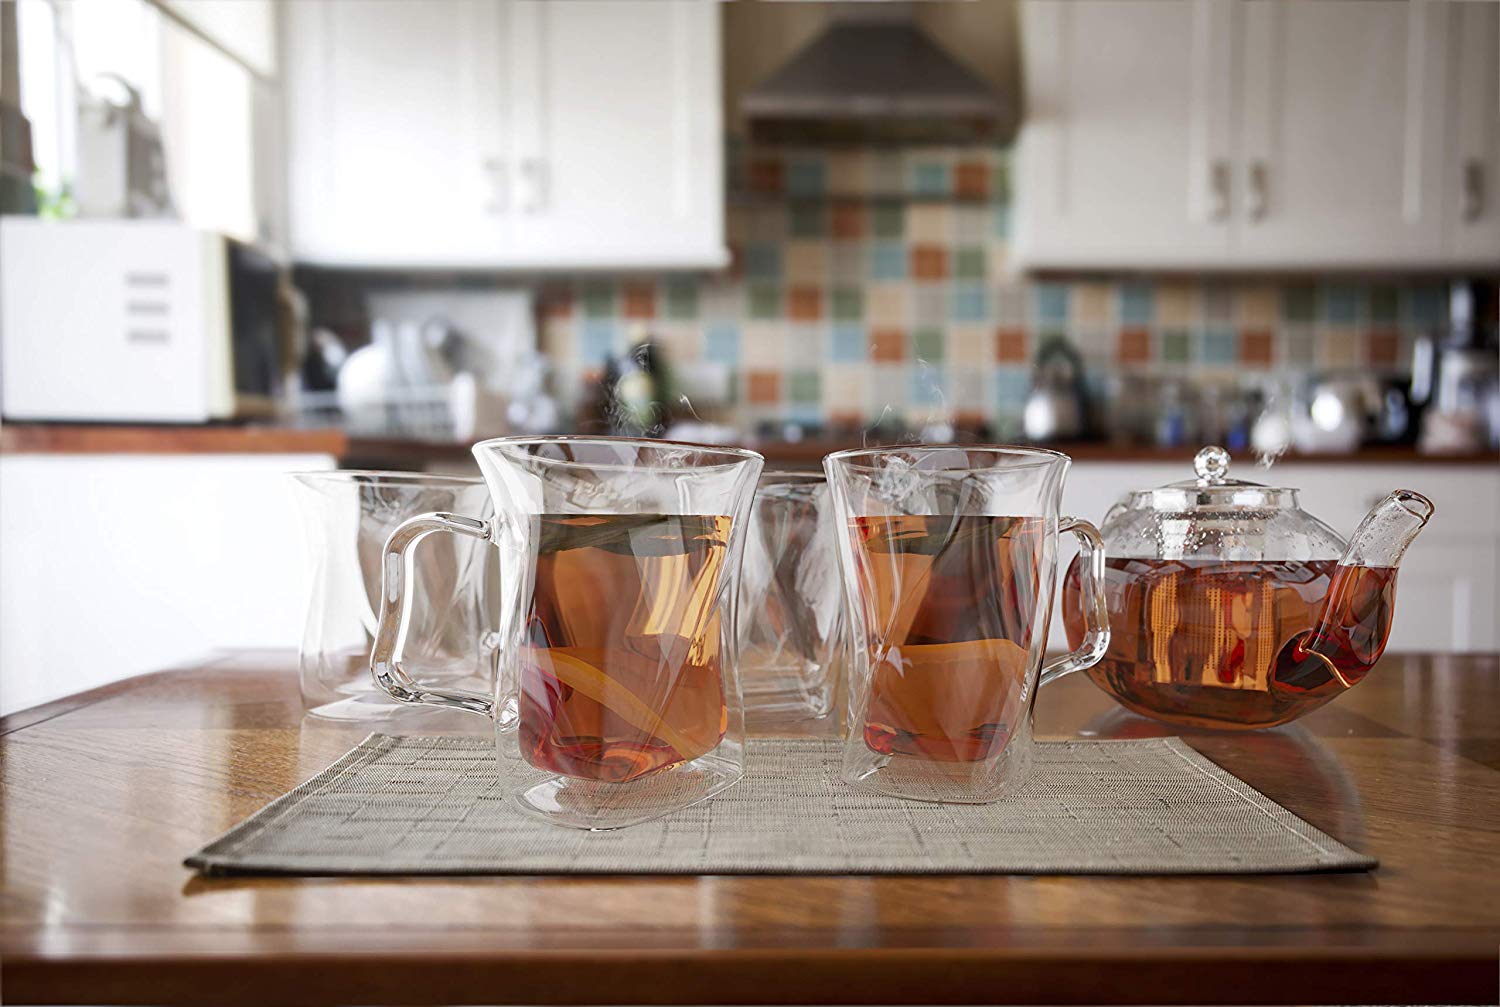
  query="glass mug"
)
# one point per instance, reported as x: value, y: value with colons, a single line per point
x: 949, y: 555
x: 348, y: 516
x: 617, y: 698
x: 791, y: 616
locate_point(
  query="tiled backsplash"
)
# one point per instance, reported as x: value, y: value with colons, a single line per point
x: 864, y: 280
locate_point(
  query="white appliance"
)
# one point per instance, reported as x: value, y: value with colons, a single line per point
x: 134, y: 321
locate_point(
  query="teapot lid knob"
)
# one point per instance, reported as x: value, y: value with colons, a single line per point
x: 1212, y: 466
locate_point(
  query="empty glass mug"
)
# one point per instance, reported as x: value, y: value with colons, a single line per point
x: 617, y: 698
x: 791, y: 613
x: 949, y: 555
x: 349, y: 515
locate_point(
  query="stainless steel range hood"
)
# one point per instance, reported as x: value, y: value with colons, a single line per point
x: 875, y: 75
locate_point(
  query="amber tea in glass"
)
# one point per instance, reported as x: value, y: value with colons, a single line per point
x: 949, y: 554
x: 621, y: 661
x: 617, y: 695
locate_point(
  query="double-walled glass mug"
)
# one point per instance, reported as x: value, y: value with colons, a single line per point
x: 617, y: 698
x: 349, y: 515
x: 791, y: 616
x: 949, y: 555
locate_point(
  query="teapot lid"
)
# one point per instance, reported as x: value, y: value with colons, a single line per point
x: 1213, y: 490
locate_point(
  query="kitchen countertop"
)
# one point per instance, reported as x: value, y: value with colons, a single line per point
x: 104, y: 794
x: 386, y: 452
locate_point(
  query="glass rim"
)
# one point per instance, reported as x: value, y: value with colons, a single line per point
x: 384, y: 475
x: 726, y: 454
x: 1037, y: 456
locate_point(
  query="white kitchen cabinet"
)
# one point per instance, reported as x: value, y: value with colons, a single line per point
x: 1448, y: 590
x: 1124, y: 154
x: 1471, y: 175
x: 1267, y: 134
x: 505, y: 134
x: 1341, y: 133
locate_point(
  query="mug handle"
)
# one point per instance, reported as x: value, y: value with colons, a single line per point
x: 1095, y: 614
x: 395, y: 591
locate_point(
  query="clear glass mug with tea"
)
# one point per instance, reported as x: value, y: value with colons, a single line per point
x: 1231, y: 607
x: 617, y: 696
x: 791, y: 613
x: 349, y: 515
x: 949, y: 555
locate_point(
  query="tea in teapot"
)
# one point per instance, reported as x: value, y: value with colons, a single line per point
x: 1231, y: 607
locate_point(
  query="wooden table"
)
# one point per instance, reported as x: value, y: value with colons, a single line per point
x: 104, y: 794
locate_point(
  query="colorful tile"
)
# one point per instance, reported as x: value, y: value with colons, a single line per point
x: 806, y: 176
x: 844, y: 387
x: 1427, y: 304
x: 1257, y: 347
x: 929, y: 386
x: 888, y: 390
x: 765, y: 301
x: 847, y: 304
x: 1342, y: 305
x: 888, y: 260
x: 970, y: 224
x: 804, y: 387
x: 680, y: 299
x: 1301, y: 345
x: 885, y: 173
x: 885, y: 305
x: 1385, y: 304
x: 763, y: 345
x: 555, y: 301
x: 888, y: 220
x: 767, y: 175
x: 638, y: 300
x: 1010, y: 346
x: 1299, y: 303
x: 1218, y: 303
x: 966, y: 385
x: 929, y: 303
x: 806, y: 220
x: 1009, y: 301
x: 1012, y: 386
x: 930, y: 179
x: 848, y: 221
x: 805, y: 262
x: 762, y: 260
x: 970, y: 302
x: 1133, y: 346
x: 969, y: 345
x: 723, y: 299
x: 927, y: 224
x: 763, y: 387
x: 1137, y: 304
x: 846, y: 172
x: 887, y: 345
x: 1051, y: 303
x: 1338, y: 346
x: 971, y: 180
x: 849, y: 345
x: 1383, y: 348
x: 1220, y: 346
x: 1258, y: 305
x: 721, y: 344
x: 1176, y: 346
x: 969, y: 263
x: 598, y: 300
x: 804, y: 303
x: 847, y: 262
x: 928, y: 344
x: 1000, y: 222
x: 1000, y: 180
x: 597, y: 342
x: 1090, y: 303
x: 929, y: 262
x: 1176, y: 304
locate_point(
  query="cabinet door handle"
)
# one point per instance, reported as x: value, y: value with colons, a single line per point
x: 1473, y: 189
x: 496, y: 171
x: 534, y: 182
x: 1218, y: 190
x: 1259, y: 190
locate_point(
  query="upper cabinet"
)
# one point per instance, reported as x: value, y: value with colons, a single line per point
x: 1258, y: 135
x: 505, y: 134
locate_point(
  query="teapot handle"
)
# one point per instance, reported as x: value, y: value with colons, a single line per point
x: 395, y: 590
x: 1095, y: 615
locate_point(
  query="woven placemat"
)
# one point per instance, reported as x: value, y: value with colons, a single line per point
x: 433, y: 805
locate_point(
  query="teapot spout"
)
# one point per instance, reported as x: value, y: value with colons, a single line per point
x: 1355, y: 623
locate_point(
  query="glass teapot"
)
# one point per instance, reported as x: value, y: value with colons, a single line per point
x: 1232, y: 607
